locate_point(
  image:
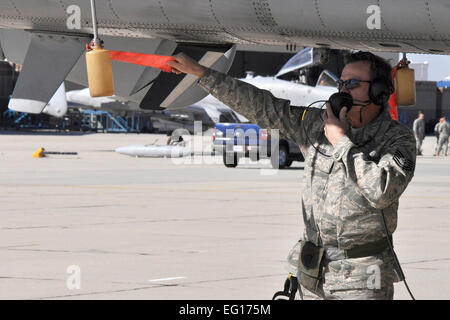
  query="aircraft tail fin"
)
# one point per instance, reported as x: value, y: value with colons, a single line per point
x: 51, y: 56
x: 175, y: 91
x: 57, y: 106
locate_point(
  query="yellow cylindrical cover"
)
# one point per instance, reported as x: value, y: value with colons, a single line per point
x: 405, y: 87
x: 100, y: 76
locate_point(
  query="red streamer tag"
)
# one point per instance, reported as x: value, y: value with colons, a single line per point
x: 393, y: 99
x: 143, y: 59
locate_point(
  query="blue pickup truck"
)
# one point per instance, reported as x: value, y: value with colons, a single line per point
x: 238, y: 140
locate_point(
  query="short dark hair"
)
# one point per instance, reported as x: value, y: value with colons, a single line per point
x: 379, y: 68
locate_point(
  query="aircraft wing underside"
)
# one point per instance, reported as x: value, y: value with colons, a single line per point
x: 57, y: 57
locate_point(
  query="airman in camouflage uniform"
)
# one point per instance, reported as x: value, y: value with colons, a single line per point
x: 357, y: 175
x: 419, y: 132
x: 436, y: 133
x: 444, y: 133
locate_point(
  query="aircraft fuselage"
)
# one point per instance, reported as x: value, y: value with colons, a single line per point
x: 400, y: 26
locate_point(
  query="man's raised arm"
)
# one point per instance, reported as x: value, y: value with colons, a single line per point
x: 258, y: 105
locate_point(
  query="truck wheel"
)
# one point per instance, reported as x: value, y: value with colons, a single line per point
x: 288, y: 163
x: 230, y: 160
x: 283, y: 161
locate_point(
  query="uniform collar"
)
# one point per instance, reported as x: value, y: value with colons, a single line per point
x: 373, y: 130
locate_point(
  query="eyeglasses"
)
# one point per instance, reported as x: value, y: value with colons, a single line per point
x: 350, y: 83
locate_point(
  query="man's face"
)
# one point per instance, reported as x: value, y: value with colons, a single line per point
x: 421, y: 116
x: 359, y: 70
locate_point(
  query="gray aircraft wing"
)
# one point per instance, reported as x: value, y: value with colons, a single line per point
x: 57, y: 57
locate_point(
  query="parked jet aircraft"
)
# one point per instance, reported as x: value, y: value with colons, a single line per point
x: 49, y: 38
x: 158, y: 120
x: 298, y: 93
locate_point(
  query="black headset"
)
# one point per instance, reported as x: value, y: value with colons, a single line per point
x: 380, y: 90
x: 380, y: 87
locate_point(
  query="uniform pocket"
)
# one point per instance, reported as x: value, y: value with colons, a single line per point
x: 342, y: 275
x: 321, y: 163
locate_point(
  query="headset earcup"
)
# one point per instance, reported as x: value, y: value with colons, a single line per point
x: 380, y: 91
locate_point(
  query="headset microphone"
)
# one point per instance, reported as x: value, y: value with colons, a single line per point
x: 339, y: 100
x: 361, y: 102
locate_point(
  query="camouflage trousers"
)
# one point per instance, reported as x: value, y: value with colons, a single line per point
x: 442, y: 145
x: 367, y: 278
x: 419, y: 141
x: 385, y: 294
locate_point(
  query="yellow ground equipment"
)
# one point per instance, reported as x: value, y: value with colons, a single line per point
x: 41, y: 153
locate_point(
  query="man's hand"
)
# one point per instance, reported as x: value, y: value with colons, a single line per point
x: 335, y: 128
x: 185, y: 64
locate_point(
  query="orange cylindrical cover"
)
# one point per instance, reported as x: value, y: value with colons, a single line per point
x: 100, y: 76
x: 405, y: 87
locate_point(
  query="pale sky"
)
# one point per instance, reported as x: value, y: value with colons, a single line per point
x: 439, y: 65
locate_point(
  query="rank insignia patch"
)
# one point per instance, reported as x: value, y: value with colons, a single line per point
x: 403, y: 162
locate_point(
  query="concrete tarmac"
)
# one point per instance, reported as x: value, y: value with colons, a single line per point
x: 100, y: 225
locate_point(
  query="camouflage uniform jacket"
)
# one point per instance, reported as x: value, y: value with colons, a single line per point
x: 444, y: 129
x: 344, y: 193
x: 436, y: 129
x: 419, y: 128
